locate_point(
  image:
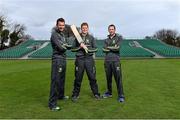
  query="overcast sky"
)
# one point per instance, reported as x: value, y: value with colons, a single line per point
x: 133, y: 18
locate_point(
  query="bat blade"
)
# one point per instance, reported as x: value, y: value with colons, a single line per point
x: 77, y: 35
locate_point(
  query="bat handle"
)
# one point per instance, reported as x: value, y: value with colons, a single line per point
x: 86, y: 50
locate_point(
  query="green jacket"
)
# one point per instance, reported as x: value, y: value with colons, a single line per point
x: 112, y: 48
x: 89, y: 41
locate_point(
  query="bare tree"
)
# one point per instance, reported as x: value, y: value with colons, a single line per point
x: 4, y: 37
x: 168, y: 36
x: 178, y: 41
x: 4, y: 33
x: 2, y: 22
x: 17, y: 33
x: 11, y: 31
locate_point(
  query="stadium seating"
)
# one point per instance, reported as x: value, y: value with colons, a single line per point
x: 160, y: 47
x: 99, y: 44
x: 45, y: 52
x: 129, y: 48
x: 126, y: 50
x: 20, y: 50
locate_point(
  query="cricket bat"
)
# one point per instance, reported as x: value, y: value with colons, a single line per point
x: 77, y: 35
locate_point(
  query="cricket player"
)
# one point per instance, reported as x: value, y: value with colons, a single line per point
x: 85, y: 61
x: 112, y: 63
x: 58, y: 71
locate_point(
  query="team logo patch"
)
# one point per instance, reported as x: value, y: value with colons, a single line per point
x: 113, y: 42
x: 60, y: 69
x: 76, y: 68
x: 87, y: 40
x: 117, y: 68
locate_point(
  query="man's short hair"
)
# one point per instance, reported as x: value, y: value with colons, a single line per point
x: 84, y: 24
x: 112, y: 25
x: 60, y: 20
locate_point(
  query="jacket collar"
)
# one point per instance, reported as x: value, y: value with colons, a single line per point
x: 84, y: 36
x: 109, y: 36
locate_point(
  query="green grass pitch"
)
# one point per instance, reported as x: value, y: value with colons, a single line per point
x: 151, y: 86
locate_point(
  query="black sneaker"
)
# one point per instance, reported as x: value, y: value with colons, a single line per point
x: 107, y: 95
x: 97, y: 97
x: 56, y: 108
x: 75, y: 98
x: 121, y: 99
x: 64, y: 98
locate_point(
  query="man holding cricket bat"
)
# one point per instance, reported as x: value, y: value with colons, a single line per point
x: 85, y: 46
x: 58, y: 70
x: 112, y: 63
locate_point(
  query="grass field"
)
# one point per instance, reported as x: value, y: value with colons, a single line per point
x: 152, y: 90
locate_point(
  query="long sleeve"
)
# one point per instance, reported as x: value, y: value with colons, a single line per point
x: 116, y: 47
x: 75, y: 45
x: 94, y: 43
x: 57, y: 43
x: 105, y: 49
x: 93, y: 48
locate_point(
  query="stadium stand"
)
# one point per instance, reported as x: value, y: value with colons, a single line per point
x: 129, y: 48
x: 45, y: 52
x: 99, y: 44
x: 21, y: 49
x: 160, y: 47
